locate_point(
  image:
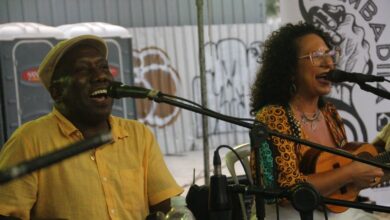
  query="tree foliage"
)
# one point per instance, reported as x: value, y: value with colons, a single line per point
x: 272, y: 8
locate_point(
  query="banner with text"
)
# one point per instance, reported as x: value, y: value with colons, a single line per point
x: 360, y: 29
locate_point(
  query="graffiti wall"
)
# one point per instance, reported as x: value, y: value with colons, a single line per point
x: 360, y: 29
x: 166, y: 59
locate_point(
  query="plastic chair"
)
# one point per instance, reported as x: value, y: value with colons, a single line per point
x: 243, y: 151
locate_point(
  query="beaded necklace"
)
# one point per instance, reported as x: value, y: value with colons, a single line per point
x: 295, y: 128
x: 309, y: 121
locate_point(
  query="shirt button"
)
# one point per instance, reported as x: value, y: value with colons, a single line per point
x: 92, y: 157
x: 112, y: 211
x: 105, y: 179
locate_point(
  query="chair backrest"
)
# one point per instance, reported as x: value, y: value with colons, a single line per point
x: 243, y: 151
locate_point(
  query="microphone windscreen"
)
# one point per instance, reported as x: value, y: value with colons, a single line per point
x: 118, y: 90
x: 112, y: 89
x: 336, y: 76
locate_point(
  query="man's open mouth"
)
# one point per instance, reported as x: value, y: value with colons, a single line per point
x: 99, y: 94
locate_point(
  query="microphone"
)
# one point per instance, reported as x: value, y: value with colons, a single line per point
x: 342, y: 76
x: 118, y: 90
x: 305, y: 199
x: 219, y: 203
x: 29, y: 166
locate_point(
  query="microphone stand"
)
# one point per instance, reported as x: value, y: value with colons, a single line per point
x: 29, y: 166
x: 262, y: 131
x: 356, y: 205
x: 376, y: 91
x: 258, y: 135
x: 304, y: 198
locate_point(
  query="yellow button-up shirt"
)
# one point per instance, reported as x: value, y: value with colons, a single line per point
x: 119, y: 180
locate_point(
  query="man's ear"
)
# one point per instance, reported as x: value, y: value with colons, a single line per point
x: 56, y: 92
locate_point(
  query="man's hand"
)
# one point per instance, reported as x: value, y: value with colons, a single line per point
x: 163, y: 206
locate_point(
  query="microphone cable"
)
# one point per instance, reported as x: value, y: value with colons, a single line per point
x: 238, y: 157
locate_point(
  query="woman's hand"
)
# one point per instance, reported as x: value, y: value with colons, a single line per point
x: 364, y: 175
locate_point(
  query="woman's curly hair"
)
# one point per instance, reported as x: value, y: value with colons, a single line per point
x: 279, y: 64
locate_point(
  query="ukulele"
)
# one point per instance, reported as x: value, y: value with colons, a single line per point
x: 315, y: 161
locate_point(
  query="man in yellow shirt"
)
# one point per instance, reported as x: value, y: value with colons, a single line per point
x: 125, y: 179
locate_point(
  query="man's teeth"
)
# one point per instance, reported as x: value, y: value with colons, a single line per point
x: 99, y: 92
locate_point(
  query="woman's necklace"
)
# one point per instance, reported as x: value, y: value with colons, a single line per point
x: 311, y: 121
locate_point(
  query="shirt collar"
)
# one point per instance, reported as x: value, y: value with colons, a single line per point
x: 67, y: 128
x: 117, y: 131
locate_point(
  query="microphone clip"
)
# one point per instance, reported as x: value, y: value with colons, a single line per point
x: 305, y: 199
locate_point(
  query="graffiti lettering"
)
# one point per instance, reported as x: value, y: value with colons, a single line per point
x: 377, y: 29
x: 383, y: 51
x: 368, y: 10
x: 230, y: 65
x: 357, y: 3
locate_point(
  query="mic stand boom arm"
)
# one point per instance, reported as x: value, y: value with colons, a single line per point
x: 369, y: 207
x: 161, y: 98
x: 56, y: 156
x: 376, y: 91
x: 271, y: 193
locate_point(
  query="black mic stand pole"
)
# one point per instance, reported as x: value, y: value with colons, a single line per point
x: 303, y: 197
x: 258, y: 135
x: 34, y: 164
x: 369, y: 207
x: 376, y: 91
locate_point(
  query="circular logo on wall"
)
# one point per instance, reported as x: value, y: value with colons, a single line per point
x: 153, y: 70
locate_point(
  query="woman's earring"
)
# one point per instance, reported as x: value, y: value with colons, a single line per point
x: 293, y: 89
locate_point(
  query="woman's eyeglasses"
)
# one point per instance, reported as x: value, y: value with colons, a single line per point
x: 317, y: 58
